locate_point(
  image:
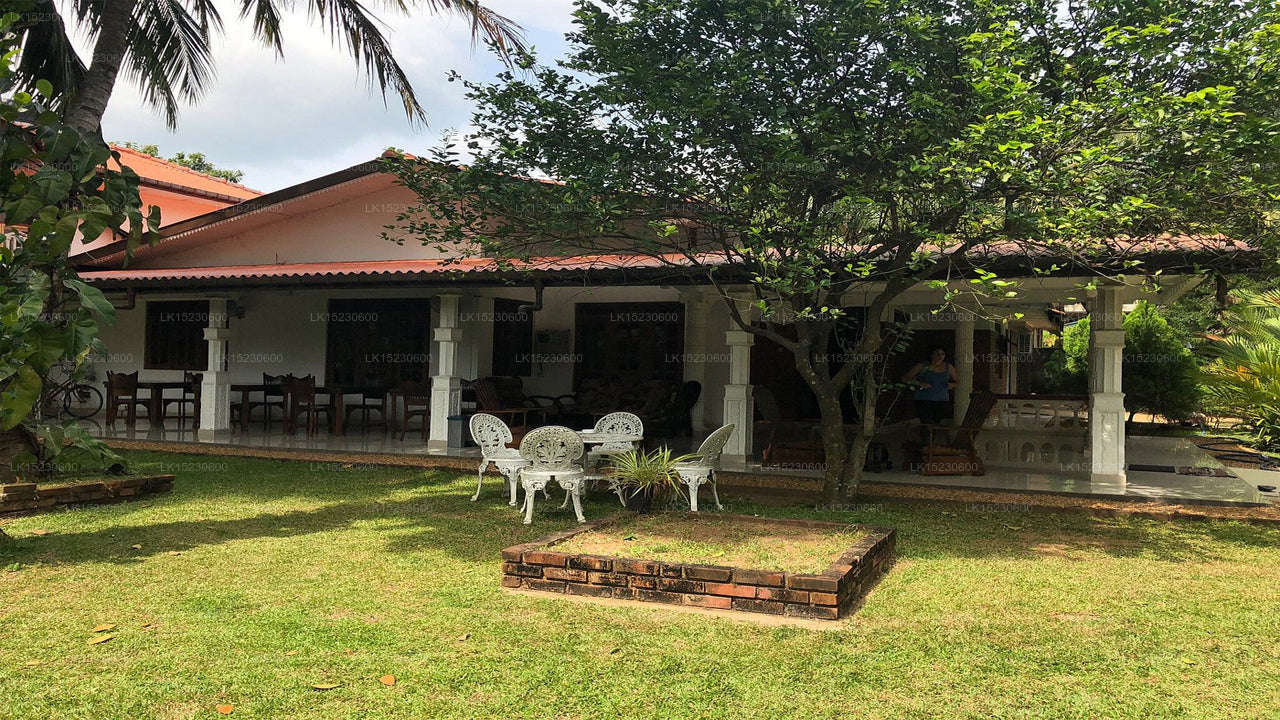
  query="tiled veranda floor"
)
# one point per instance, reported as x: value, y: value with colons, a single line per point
x: 1016, y: 460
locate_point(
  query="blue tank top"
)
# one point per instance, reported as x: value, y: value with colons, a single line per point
x: 937, y: 390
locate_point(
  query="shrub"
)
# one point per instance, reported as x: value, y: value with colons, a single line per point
x: 1160, y: 375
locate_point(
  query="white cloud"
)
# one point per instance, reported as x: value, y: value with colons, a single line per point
x: 283, y: 122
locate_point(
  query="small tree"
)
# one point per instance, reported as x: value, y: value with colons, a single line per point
x: 1159, y: 375
x: 812, y: 152
x: 55, y: 186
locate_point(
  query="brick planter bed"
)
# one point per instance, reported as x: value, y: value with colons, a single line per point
x: 25, y: 497
x: 828, y: 595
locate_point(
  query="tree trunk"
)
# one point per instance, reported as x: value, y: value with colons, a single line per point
x: 90, y: 103
x: 835, y: 450
x: 12, y: 443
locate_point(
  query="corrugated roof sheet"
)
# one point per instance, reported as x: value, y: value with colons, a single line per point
x: 388, y: 267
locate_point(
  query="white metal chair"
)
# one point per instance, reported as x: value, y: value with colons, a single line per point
x: 702, y: 469
x: 615, y: 423
x: 553, y: 454
x: 492, y: 435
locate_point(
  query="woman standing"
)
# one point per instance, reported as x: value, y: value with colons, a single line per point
x: 933, y: 382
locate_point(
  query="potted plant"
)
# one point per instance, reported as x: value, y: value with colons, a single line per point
x: 646, y: 477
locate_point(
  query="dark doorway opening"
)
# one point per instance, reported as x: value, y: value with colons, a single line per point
x: 378, y: 342
x: 629, y: 342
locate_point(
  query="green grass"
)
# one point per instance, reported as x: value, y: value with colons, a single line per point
x: 361, y: 572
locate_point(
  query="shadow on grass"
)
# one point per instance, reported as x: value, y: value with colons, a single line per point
x: 439, y: 517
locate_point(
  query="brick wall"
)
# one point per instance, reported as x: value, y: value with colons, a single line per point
x: 19, y: 497
x: 826, y: 596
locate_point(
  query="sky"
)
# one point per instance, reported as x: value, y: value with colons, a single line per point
x: 286, y: 121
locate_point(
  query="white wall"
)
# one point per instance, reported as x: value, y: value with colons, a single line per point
x: 285, y: 331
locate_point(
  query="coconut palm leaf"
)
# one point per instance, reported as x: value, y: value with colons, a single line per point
x: 169, y: 45
x: 48, y: 54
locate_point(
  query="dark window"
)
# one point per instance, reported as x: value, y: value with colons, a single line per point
x: 175, y: 335
x: 378, y: 343
x: 512, y: 339
x: 630, y: 342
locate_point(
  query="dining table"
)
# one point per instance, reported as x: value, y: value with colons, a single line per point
x: 155, y: 395
x: 335, y: 395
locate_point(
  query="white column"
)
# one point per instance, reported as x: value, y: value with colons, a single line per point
x: 964, y: 366
x: 1106, y: 395
x: 215, y: 385
x: 739, y: 402
x: 446, y: 386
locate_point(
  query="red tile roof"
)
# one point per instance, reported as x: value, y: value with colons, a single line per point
x: 391, y: 267
x: 165, y: 173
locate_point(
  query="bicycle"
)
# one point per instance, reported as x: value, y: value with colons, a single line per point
x: 79, y: 400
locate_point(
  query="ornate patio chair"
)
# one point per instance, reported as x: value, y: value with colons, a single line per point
x: 553, y: 452
x: 122, y: 391
x: 702, y: 469
x: 615, y: 423
x: 955, y: 452
x: 493, y: 436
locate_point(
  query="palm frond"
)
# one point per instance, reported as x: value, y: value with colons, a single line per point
x: 266, y: 20
x: 170, y: 52
x: 360, y: 33
x: 502, y: 33
x: 48, y: 54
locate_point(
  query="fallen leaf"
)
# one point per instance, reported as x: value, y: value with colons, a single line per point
x: 1188, y: 661
x: 615, y: 651
x: 291, y: 653
x: 388, y: 680
x: 464, y: 637
x: 39, y: 532
x: 173, y: 552
x: 104, y: 628
x: 32, y: 663
x: 225, y: 709
x: 326, y: 686
x: 136, y: 547
x: 101, y: 639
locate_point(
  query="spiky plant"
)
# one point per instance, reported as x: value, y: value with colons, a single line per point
x: 1243, y: 378
x: 654, y: 472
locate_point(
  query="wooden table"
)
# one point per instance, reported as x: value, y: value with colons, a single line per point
x: 155, y: 396
x: 247, y: 389
x: 364, y: 391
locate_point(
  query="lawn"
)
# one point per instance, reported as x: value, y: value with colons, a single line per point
x: 255, y: 580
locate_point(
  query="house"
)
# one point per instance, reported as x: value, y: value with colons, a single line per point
x: 302, y: 281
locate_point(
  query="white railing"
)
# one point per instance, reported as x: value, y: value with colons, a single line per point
x: 1041, y: 413
x: 1058, y: 454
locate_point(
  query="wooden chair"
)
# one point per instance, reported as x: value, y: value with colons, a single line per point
x: 122, y: 390
x: 955, y: 452
x: 517, y: 416
x: 416, y: 397
x: 190, y: 397
x: 300, y: 401
x: 272, y: 397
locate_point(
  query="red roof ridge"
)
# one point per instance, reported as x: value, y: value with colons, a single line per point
x: 183, y: 168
